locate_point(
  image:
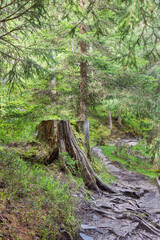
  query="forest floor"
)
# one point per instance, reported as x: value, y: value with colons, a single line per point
x: 132, y: 213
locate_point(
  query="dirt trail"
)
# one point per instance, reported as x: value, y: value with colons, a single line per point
x: 132, y: 213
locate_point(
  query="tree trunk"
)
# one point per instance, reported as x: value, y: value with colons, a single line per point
x: 52, y: 85
x: 59, y: 134
x: 158, y: 87
x: 83, y: 127
x: 72, y: 45
x: 110, y: 119
x: 83, y: 73
x: 120, y: 117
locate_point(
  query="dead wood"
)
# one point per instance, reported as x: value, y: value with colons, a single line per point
x: 58, y: 134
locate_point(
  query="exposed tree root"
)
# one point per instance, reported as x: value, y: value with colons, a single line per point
x: 142, y: 223
x: 58, y: 134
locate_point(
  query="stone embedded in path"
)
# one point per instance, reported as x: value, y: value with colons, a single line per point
x: 95, y: 217
x: 85, y: 237
x: 87, y: 227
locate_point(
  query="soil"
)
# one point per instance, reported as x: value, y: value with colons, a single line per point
x: 132, y: 213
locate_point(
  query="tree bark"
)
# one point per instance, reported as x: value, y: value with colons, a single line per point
x: 120, y: 117
x: 59, y: 134
x: 158, y: 87
x: 110, y: 119
x: 83, y: 73
x: 158, y: 184
x: 83, y: 127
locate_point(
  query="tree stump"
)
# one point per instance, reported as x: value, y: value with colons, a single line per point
x: 59, y: 136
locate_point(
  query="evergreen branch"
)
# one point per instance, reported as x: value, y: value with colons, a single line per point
x: 13, y: 30
x: 7, y: 5
x: 14, y: 46
x: 19, y: 15
x: 10, y: 56
x: 16, y: 11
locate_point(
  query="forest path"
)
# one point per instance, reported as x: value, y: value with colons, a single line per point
x: 132, y: 213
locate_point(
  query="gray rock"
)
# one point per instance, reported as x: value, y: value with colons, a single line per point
x: 87, y: 227
x: 85, y: 237
x: 95, y: 217
x: 81, y: 195
x: 75, y: 195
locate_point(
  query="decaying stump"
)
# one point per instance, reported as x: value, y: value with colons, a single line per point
x: 59, y: 137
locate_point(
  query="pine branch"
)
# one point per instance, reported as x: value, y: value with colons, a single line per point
x: 13, y: 30
x: 19, y: 15
x: 7, y: 5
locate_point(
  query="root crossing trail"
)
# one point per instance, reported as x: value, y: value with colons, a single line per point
x: 132, y: 213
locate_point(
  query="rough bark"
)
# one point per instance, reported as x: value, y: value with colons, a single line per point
x: 58, y: 133
x: 158, y: 184
x: 120, y: 117
x: 158, y: 87
x: 83, y: 73
x: 72, y: 45
x: 110, y: 119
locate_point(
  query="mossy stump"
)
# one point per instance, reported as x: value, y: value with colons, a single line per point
x: 58, y: 136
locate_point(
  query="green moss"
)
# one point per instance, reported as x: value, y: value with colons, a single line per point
x: 79, y: 136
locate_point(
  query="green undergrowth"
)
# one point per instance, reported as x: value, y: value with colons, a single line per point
x: 48, y: 206
x: 99, y: 132
x: 137, y: 125
x: 101, y: 170
x: 133, y: 162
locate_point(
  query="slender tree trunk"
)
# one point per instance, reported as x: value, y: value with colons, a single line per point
x: 120, y: 117
x: 158, y: 184
x: 158, y: 87
x: 110, y: 119
x: 72, y: 45
x: 52, y: 84
x: 83, y: 73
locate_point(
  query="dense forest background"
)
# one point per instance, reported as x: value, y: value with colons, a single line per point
x: 77, y: 60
